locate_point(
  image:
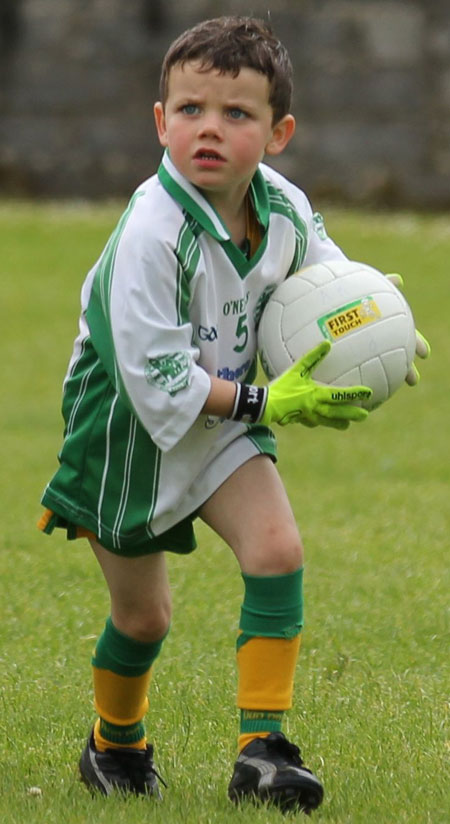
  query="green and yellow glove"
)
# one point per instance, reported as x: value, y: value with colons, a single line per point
x: 295, y: 397
x: 423, y: 348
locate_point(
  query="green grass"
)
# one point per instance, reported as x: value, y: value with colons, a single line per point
x: 372, y: 689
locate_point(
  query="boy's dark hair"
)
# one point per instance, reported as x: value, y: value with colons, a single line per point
x: 229, y: 44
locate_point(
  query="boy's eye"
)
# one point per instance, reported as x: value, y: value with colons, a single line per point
x: 190, y: 108
x: 236, y: 114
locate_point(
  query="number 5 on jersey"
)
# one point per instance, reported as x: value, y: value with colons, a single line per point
x: 241, y: 332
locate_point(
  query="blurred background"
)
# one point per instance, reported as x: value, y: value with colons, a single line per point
x: 78, y: 79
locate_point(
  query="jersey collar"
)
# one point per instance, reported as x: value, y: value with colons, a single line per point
x: 191, y: 199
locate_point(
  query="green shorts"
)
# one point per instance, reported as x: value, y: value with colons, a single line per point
x: 63, y: 509
x: 179, y: 538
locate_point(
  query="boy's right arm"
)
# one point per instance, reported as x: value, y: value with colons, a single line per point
x: 294, y: 397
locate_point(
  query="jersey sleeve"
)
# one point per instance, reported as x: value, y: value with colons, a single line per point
x: 139, y: 324
x: 320, y: 247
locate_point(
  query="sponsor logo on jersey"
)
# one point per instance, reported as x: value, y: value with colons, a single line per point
x: 170, y: 373
x: 236, y: 307
x: 347, y: 318
x: 228, y: 374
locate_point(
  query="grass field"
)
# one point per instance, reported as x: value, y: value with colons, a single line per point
x: 372, y: 689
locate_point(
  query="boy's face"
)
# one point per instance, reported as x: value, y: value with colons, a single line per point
x: 218, y: 128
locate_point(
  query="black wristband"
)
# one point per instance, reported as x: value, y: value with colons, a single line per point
x: 249, y: 403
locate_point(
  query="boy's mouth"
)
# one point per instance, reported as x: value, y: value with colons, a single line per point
x: 208, y: 155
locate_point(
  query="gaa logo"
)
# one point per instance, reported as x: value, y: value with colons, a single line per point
x: 207, y: 334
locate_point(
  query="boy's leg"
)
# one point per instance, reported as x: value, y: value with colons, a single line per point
x: 122, y: 663
x: 131, y: 641
x: 251, y: 512
x: 140, y: 592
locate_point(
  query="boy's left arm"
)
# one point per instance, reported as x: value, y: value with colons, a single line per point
x: 321, y: 248
x: 423, y: 348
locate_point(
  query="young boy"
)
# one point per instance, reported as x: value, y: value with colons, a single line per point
x: 162, y: 421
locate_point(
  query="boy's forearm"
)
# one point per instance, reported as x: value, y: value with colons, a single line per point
x: 220, y: 400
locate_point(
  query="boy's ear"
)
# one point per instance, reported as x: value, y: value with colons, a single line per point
x: 281, y: 135
x: 160, y: 121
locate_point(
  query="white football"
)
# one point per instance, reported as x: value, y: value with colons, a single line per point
x: 354, y: 306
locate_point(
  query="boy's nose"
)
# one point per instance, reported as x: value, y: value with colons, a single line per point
x: 210, y: 126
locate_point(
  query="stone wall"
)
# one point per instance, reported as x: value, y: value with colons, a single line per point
x: 78, y: 79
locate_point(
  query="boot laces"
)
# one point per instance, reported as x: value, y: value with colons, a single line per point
x: 285, y: 748
x: 137, y: 764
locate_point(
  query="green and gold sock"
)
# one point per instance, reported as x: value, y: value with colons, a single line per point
x: 122, y: 672
x: 267, y: 651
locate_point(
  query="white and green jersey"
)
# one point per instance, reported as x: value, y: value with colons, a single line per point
x: 171, y: 301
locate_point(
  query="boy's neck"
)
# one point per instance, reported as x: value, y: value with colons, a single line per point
x: 237, y: 225
x: 233, y: 214
x: 244, y: 228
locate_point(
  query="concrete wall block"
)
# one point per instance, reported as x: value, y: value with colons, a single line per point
x: 319, y: 41
x: 75, y: 87
x: 363, y: 91
x: 394, y: 32
x: 351, y: 145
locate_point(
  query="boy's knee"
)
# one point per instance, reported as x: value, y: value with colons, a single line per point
x: 280, y: 554
x: 287, y: 558
x: 147, y: 624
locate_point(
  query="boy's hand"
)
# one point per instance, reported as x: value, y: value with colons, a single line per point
x: 295, y: 398
x: 423, y: 348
